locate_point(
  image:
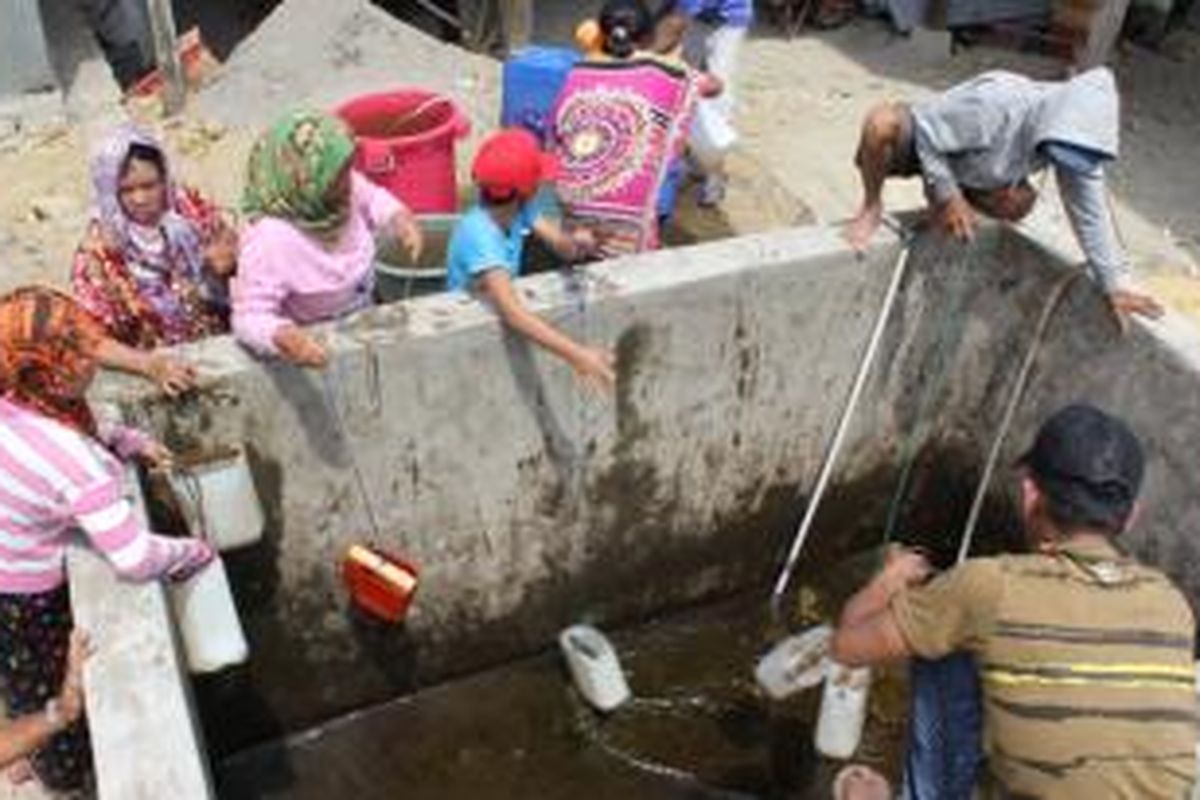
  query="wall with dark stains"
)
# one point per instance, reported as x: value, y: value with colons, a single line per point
x: 529, y: 504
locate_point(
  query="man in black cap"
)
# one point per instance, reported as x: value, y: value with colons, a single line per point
x: 1066, y: 672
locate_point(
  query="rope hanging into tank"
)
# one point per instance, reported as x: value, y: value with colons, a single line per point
x: 953, y: 333
x: 1057, y: 295
x: 330, y: 397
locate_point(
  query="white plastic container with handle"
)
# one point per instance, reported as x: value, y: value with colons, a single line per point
x: 843, y: 710
x: 218, y: 497
x: 594, y: 667
x: 208, y: 620
x: 797, y: 663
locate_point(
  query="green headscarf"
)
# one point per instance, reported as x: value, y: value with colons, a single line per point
x: 292, y: 166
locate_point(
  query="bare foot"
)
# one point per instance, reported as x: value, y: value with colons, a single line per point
x: 863, y: 227
x: 20, y: 772
x: 858, y: 782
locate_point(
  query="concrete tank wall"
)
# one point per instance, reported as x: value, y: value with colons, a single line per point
x: 528, y: 506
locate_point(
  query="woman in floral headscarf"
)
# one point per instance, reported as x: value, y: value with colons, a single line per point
x: 309, y: 253
x: 156, y: 259
x: 60, y: 472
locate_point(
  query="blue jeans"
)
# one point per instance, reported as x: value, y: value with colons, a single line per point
x: 944, y: 729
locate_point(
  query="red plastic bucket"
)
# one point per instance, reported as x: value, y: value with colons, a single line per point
x: 406, y: 142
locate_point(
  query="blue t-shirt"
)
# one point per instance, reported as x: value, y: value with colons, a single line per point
x: 478, y: 244
x: 738, y: 13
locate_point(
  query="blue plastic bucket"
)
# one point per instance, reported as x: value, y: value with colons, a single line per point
x: 533, y: 77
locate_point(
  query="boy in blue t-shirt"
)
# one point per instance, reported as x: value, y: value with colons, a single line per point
x: 487, y: 243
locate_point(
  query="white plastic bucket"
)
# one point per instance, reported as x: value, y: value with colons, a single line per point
x: 218, y: 499
x: 208, y: 620
x: 711, y: 135
x: 594, y: 667
x: 843, y: 710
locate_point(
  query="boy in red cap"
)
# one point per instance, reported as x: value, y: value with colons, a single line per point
x: 487, y: 243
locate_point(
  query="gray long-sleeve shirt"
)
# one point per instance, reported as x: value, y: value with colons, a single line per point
x: 989, y: 132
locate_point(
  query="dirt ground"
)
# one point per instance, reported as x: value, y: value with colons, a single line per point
x: 800, y: 104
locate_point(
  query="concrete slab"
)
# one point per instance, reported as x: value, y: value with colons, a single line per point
x: 528, y: 506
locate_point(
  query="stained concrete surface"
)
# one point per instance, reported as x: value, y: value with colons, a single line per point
x: 528, y: 505
x: 698, y: 728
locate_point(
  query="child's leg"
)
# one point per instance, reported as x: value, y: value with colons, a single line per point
x: 883, y: 134
x: 34, y: 635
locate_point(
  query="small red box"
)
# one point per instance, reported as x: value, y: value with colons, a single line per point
x: 379, y: 583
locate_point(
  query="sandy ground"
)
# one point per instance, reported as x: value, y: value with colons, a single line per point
x: 800, y: 104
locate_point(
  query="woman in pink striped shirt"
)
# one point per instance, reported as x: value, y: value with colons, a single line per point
x: 60, y: 474
x: 309, y: 253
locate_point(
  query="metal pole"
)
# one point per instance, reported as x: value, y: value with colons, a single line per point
x: 162, y: 25
x: 835, y: 444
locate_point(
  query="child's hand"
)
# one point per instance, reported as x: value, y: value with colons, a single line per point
x: 595, y: 367
x: 299, y: 348
x: 156, y: 456
x: 709, y: 85
x: 172, y: 375
x: 408, y: 231
x: 220, y: 254
x: 585, y: 242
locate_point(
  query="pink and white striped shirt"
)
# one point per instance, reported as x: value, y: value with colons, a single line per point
x: 55, y: 481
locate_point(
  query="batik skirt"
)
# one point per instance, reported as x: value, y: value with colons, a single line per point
x: 35, y: 631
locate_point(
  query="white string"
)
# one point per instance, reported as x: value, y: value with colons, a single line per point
x: 331, y: 401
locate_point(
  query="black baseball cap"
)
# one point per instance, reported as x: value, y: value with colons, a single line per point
x: 1090, y: 464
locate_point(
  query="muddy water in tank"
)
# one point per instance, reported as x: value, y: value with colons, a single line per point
x: 697, y: 728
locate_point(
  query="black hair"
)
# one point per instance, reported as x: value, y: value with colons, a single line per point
x: 625, y: 24
x: 147, y: 153
x: 1070, y: 516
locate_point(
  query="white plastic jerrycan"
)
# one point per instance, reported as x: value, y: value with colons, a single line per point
x: 843, y: 710
x: 217, y: 496
x: 208, y: 620
x: 594, y: 667
x: 798, y: 662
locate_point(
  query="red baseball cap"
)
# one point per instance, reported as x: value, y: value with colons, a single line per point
x: 511, y: 162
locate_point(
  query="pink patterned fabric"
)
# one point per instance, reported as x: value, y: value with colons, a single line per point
x: 617, y: 127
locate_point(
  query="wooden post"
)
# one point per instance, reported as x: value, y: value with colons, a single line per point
x: 162, y: 25
x: 518, y: 23
x: 1102, y: 34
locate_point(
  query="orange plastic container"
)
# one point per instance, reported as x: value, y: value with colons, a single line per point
x: 378, y: 582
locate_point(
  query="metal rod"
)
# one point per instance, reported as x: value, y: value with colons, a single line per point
x: 835, y: 445
x: 1056, y: 297
x: 166, y: 54
x: 441, y: 14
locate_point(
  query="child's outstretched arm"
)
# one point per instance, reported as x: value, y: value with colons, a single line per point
x: 592, y: 365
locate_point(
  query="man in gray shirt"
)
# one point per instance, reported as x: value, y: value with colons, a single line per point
x: 975, y: 147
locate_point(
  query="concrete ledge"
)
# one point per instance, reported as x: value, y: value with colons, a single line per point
x: 145, y: 740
